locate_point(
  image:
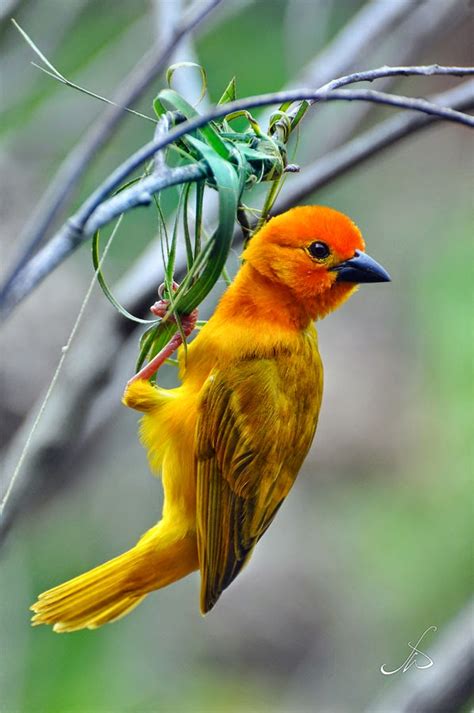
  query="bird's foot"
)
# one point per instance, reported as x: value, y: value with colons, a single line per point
x: 187, y: 321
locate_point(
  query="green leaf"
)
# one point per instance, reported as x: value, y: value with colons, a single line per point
x: 158, y: 107
x: 225, y: 276
x: 284, y: 107
x: 183, y: 65
x: 211, y: 259
x: 187, y: 234
x: 247, y: 115
x: 37, y: 51
x: 230, y: 93
x: 172, y: 101
x: 153, y: 341
x: 105, y: 288
x: 169, y: 271
x: 198, y: 219
x: 280, y: 120
x: 146, y: 340
x: 229, y: 186
x: 303, y: 108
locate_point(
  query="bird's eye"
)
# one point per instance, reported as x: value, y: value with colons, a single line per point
x: 319, y: 250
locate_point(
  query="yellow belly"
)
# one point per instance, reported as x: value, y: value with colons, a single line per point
x: 167, y: 432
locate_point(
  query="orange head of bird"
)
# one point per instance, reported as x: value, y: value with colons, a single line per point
x: 317, y: 253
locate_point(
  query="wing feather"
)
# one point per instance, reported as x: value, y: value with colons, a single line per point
x: 255, y: 425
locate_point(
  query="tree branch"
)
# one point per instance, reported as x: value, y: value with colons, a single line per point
x: 79, y: 227
x: 379, y: 97
x: 371, y: 75
x: 410, y: 103
x: 369, y: 144
x: 142, y: 194
x: 366, y: 28
x: 73, y: 412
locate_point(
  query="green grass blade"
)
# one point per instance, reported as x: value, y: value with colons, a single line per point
x: 230, y: 93
x: 187, y: 233
x: 229, y: 187
x: 198, y: 220
x: 105, y: 287
x: 37, y: 51
x: 186, y: 65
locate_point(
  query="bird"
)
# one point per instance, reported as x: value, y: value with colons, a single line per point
x: 230, y: 440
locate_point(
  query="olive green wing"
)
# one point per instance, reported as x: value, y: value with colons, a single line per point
x: 255, y: 425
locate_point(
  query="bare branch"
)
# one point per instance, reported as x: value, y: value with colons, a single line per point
x: 367, y: 28
x: 73, y: 413
x: 367, y: 145
x: 445, y: 687
x: 402, y: 102
x: 136, y: 83
x: 142, y: 194
x: 372, y: 74
x: 79, y: 227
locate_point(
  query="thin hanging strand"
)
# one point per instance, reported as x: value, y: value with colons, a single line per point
x: 57, y: 372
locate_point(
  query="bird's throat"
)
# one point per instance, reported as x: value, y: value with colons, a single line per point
x: 255, y: 298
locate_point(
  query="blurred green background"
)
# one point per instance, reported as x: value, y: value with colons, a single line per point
x: 374, y: 543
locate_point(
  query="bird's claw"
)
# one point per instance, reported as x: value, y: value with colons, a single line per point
x: 160, y: 307
x: 187, y: 322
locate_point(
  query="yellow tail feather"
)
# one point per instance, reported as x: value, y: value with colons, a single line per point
x: 110, y: 591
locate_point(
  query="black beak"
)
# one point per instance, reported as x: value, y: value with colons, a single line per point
x: 361, y: 268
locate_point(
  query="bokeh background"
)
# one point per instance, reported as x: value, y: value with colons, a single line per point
x: 374, y: 543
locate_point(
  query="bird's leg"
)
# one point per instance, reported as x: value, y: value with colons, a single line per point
x: 188, y: 322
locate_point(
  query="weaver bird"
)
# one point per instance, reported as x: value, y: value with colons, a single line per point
x: 231, y: 439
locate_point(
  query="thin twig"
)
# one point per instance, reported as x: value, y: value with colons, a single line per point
x: 79, y: 227
x: 384, y: 72
x: 371, y: 75
x: 409, y: 103
x: 73, y: 414
x: 317, y: 95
